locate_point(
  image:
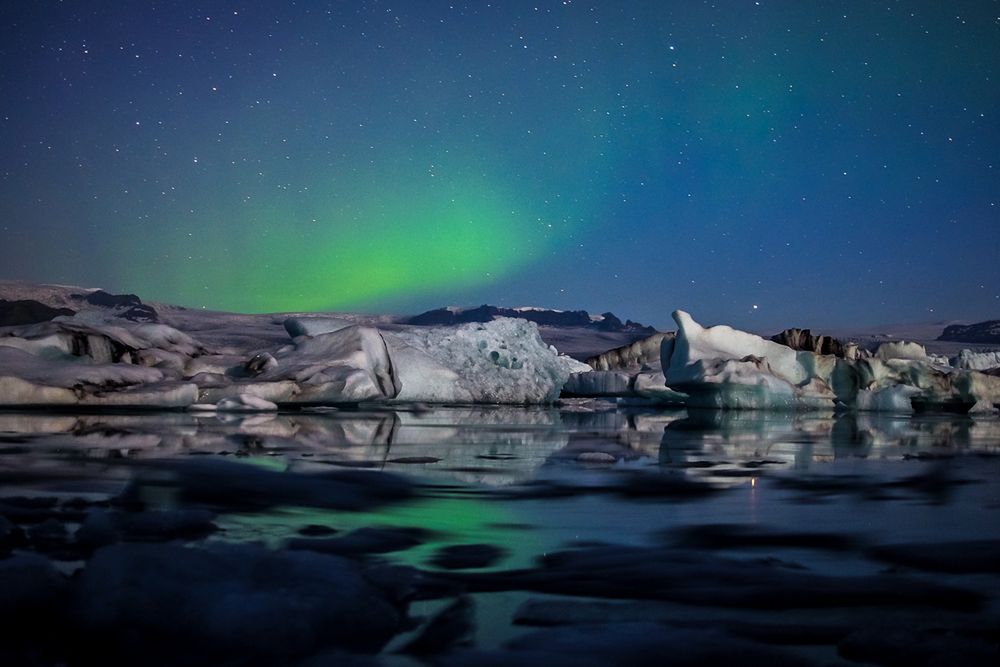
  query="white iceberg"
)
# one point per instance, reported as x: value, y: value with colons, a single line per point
x: 976, y: 361
x: 721, y: 367
x: 501, y: 361
x: 30, y: 380
x: 346, y: 366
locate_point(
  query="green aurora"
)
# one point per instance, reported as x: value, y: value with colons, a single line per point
x: 286, y: 260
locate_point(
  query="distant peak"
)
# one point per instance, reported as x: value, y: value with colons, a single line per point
x: 544, y: 316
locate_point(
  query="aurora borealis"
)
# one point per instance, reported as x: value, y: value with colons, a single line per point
x: 757, y: 163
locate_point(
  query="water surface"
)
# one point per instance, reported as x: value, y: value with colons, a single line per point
x: 829, y: 495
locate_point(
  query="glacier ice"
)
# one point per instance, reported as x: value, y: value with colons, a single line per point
x: 31, y: 380
x: 345, y: 366
x: 646, y: 384
x: 91, y: 360
x: 721, y: 367
x: 643, y: 352
x: 976, y: 361
x: 501, y: 361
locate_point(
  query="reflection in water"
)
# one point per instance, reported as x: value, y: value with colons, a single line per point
x: 803, y: 502
x: 489, y: 445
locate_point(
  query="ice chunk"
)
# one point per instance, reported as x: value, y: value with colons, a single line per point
x: 599, y: 383
x: 982, y: 389
x: 100, y: 341
x: 721, y: 367
x: 29, y: 380
x: 423, y: 378
x: 346, y: 366
x: 245, y: 403
x: 896, y: 398
x: 724, y: 368
x: 976, y: 361
x: 648, y: 384
x: 502, y: 361
x: 639, y: 353
x: 900, y: 350
x: 653, y: 385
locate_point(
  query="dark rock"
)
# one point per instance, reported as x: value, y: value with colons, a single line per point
x: 259, y: 363
x: 102, y: 528
x: 631, y: 484
x: 130, y: 306
x: 26, y: 311
x: 339, y: 659
x: 981, y: 332
x: 106, y: 300
x: 98, y: 530
x: 627, y: 645
x: 952, y: 405
x: 448, y: 317
x: 668, y: 574
x: 232, y: 485
x: 30, y: 586
x: 48, y: 535
x: 30, y: 502
x: 230, y: 604
x: 736, y: 536
x: 451, y: 627
x: 918, y: 647
x: 962, y: 557
x: 609, y: 322
x: 547, y: 613
x: 401, y: 584
x: 11, y: 536
x: 804, y: 340
x: 364, y: 541
x: 23, y: 510
x: 33, y: 601
x: 466, y: 556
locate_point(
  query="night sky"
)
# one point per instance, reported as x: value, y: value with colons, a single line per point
x: 756, y: 163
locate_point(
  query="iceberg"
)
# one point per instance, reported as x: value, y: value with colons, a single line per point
x: 501, y: 361
x: 721, y: 367
x: 29, y: 380
x: 976, y: 361
x: 640, y: 353
x: 349, y: 365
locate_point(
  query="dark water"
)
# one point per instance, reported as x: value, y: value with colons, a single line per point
x: 786, y: 534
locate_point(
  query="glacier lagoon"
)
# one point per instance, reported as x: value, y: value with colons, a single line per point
x: 580, y: 533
